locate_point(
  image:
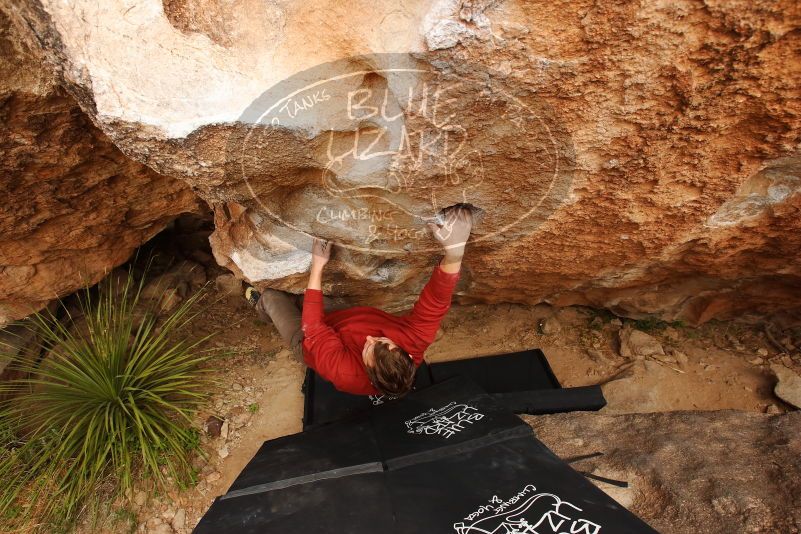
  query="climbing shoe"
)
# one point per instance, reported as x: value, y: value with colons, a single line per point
x: 252, y: 296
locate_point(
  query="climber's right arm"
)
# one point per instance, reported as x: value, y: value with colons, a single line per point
x: 453, y: 236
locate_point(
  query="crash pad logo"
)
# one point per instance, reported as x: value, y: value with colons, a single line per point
x: 366, y: 150
x: 527, y: 512
x: 378, y: 400
x: 446, y: 421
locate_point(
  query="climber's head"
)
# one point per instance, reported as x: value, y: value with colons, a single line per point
x: 390, y: 368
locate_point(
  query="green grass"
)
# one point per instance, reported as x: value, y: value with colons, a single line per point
x: 112, y: 403
x: 125, y: 520
x: 253, y: 407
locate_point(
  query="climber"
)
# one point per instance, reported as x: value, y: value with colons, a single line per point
x: 364, y: 350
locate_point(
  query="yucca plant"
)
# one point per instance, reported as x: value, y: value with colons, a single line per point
x: 111, y: 402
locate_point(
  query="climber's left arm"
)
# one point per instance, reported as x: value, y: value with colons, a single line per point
x: 323, y: 349
x: 321, y: 253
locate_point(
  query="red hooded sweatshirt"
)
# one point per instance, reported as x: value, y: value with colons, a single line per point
x: 333, y: 343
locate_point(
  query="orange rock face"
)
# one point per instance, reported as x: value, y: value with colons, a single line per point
x: 641, y: 158
x: 73, y: 205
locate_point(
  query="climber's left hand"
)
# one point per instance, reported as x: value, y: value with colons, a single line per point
x: 321, y: 253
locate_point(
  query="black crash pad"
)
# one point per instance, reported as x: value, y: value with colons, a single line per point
x: 448, y: 416
x: 517, y: 486
x: 323, y: 403
x: 502, y: 373
x: 445, y: 459
x: 544, y: 401
x: 518, y: 380
x: 349, y: 446
x: 355, y: 504
x: 441, y: 420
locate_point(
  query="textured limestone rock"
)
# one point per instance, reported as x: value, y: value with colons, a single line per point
x: 640, y: 157
x: 73, y: 205
x: 691, y: 471
x: 788, y: 387
x: 17, y: 342
x: 637, y: 344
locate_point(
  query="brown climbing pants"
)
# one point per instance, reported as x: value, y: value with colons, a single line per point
x: 285, y: 312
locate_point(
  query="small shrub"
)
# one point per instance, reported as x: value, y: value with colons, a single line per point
x: 604, y: 314
x: 692, y: 333
x: 125, y: 520
x: 112, y: 401
x: 652, y: 324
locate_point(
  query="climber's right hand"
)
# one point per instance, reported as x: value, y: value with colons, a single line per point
x: 454, y: 233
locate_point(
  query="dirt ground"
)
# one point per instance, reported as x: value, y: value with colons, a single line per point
x: 718, y: 366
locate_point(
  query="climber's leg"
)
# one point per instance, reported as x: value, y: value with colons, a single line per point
x: 330, y: 304
x: 280, y: 308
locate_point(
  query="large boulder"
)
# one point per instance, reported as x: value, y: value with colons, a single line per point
x: 636, y: 156
x: 637, y: 344
x: 788, y: 385
x: 74, y: 206
x: 690, y: 472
